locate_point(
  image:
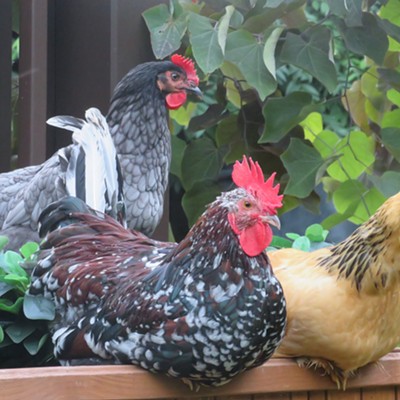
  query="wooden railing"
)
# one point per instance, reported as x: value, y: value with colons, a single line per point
x: 277, y: 379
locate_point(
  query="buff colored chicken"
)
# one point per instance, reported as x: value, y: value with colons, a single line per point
x: 343, y: 302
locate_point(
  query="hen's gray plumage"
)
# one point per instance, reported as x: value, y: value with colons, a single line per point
x: 24, y: 193
x: 138, y: 120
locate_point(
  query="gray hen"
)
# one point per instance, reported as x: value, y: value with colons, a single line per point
x: 138, y: 121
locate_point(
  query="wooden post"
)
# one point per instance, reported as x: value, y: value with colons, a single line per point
x: 33, y: 82
x: 5, y: 83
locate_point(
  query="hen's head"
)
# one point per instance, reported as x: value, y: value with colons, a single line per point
x: 179, y: 79
x: 254, y: 208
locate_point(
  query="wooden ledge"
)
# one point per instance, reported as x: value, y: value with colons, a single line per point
x: 129, y: 382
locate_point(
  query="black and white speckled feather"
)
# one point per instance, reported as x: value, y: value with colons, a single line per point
x: 201, y: 310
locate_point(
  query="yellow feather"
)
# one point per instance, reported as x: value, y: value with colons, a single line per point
x: 342, y: 307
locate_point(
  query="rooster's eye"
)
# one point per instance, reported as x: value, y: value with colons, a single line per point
x: 174, y: 76
x: 247, y: 204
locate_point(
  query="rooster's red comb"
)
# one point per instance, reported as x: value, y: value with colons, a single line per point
x: 248, y: 175
x: 187, y: 65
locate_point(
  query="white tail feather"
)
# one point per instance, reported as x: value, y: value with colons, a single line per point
x: 92, y: 137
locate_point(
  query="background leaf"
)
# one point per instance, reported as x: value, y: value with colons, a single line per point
x: 38, y: 307
x: 165, y: 31
x: 202, y: 159
x: 284, y: 113
x: 205, y: 45
x: 195, y: 199
x: 302, y: 163
x: 243, y: 50
x: 311, y: 53
x: 369, y: 39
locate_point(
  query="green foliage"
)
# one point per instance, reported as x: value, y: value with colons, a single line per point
x: 310, y: 89
x: 23, y: 330
x: 313, y: 239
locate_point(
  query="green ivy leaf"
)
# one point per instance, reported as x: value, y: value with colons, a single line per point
x: 13, y: 261
x: 282, y: 114
x: 3, y: 241
x: 391, y: 11
x: 232, y: 91
x: 19, y: 331
x: 302, y: 243
x: 352, y: 196
x: 391, y: 119
x: 391, y: 140
x: 16, y: 280
x: 336, y: 219
x: 292, y: 235
x: 368, y: 39
x: 204, y: 41
x: 312, y: 126
x: 347, y: 194
x: 165, y: 31
x: 228, y: 134
x: 5, y: 288
x: 372, y: 200
x: 29, y: 249
x: 35, y: 342
x: 183, y: 114
x: 390, y: 28
x: 311, y: 52
x: 199, y: 195
x: 316, y: 233
x: 178, y: 149
x: 9, y: 306
x: 265, y: 14
x: 390, y: 76
x: 1, y: 334
x: 243, y: 50
x: 269, y: 50
x: 350, y: 10
x: 280, y: 242
x: 357, y: 154
x: 388, y: 183
x: 38, y: 307
x: 223, y: 26
x: 201, y: 161
x: 394, y: 96
x: 303, y: 163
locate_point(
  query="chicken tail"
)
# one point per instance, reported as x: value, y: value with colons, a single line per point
x: 59, y: 214
x: 93, y: 172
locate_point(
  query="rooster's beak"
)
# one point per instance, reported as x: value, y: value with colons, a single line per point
x: 272, y: 220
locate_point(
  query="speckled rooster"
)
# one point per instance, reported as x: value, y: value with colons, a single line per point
x: 202, y: 310
x: 138, y: 121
